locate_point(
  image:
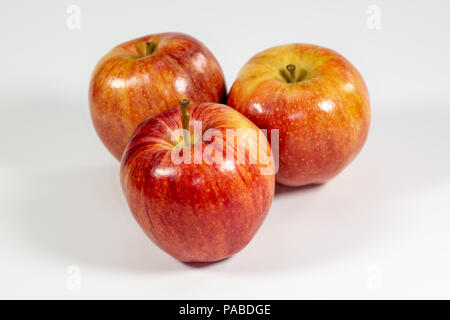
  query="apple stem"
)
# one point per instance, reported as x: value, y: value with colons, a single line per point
x: 185, y: 117
x: 291, y: 69
x: 150, y: 47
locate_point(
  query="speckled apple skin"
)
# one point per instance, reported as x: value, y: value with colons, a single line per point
x: 126, y: 87
x: 196, y: 212
x: 323, y: 120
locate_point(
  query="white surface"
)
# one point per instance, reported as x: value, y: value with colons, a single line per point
x: 379, y: 230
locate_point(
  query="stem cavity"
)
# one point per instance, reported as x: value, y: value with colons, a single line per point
x: 291, y: 77
x: 150, y: 47
x: 302, y: 74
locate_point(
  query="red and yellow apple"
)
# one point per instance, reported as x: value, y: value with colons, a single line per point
x: 146, y: 76
x: 318, y: 101
x: 199, y: 196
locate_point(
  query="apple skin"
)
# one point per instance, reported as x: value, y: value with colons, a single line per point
x: 323, y: 120
x: 128, y: 86
x: 196, y: 212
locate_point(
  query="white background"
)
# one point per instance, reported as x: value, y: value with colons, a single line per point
x: 378, y: 230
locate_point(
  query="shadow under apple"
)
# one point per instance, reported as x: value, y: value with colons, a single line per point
x: 82, y: 216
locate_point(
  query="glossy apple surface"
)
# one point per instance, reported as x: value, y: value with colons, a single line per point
x: 203, y: 211
x: 322, y: 111
x: 146, y: 76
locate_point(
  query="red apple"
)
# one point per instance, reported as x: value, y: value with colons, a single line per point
x: 317, y: 100
x: 209, y: 206
x: 146, y: 76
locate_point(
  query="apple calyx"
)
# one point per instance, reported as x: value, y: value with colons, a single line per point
x: 292, y: 79
x: 185, y: 117
x: 149, y: 47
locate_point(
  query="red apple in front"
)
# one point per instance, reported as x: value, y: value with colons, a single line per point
x: 146, y: 76
x: 318, y: 101
x: 200, y: 196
